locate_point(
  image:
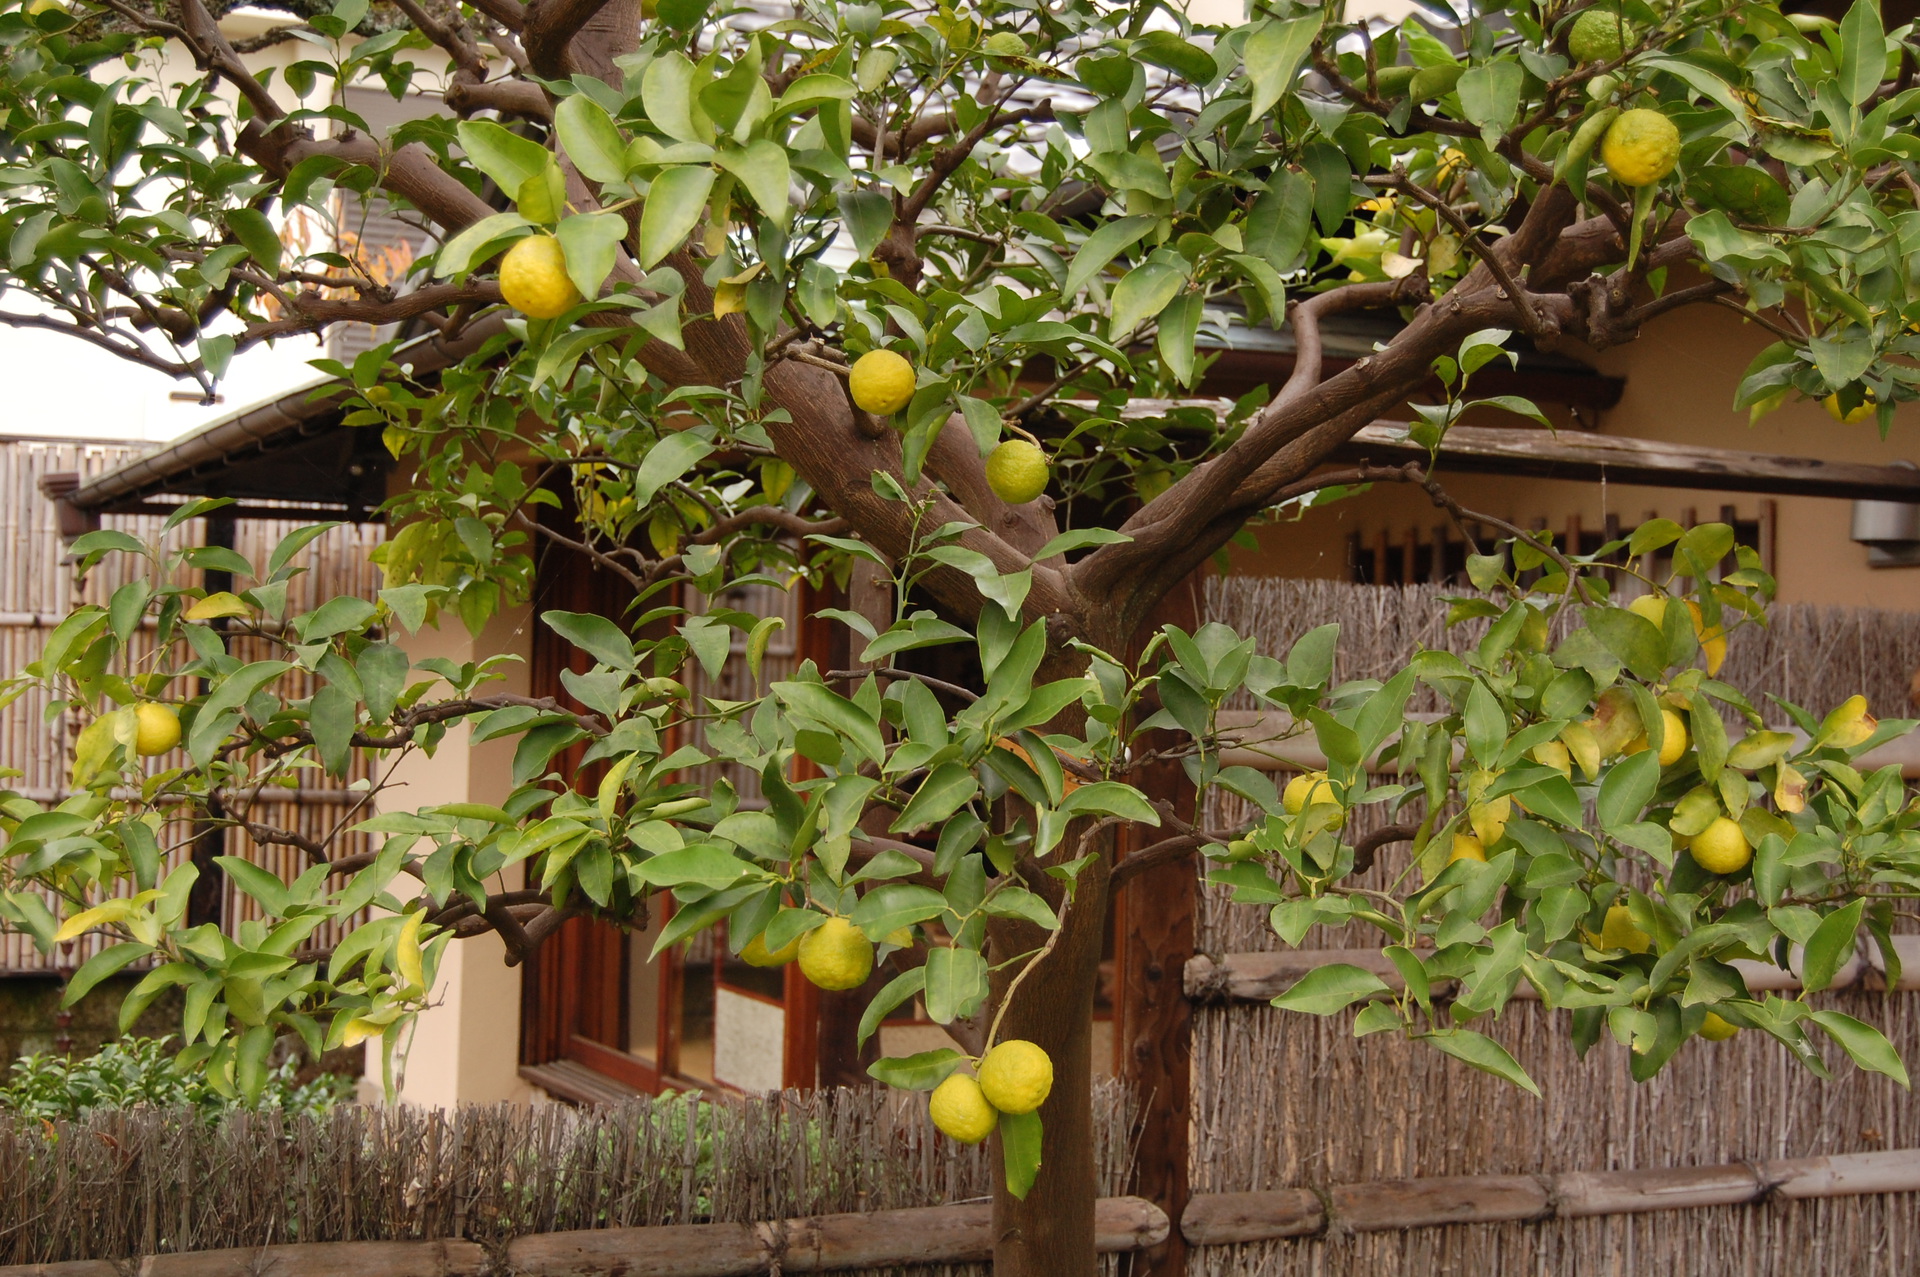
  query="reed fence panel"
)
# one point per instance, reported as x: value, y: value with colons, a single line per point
x: 1284, y: 1100
x: 142, y: 1182
x: 38, y: 587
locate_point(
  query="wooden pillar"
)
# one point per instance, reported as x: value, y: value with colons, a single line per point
x: 1153, y: 1029
x: 838, y: 1061
x: 207, y: 898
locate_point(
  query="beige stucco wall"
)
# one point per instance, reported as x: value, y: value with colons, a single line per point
x: 1681, y: 376
x: 466, y: 1048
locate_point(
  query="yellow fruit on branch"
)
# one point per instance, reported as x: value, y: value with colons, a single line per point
x: 881, y: 382
x: 158, y: 728
x: 1619, y: 931
x: 1555, y: 755
x: 1721, y: 848
x: 1851, y: 417
x: 1674, y: 743
x: 1017, y: 471
x: 1467, y: 847
x: 1016, y: 1077
x: 836, y: 955
x: 1598, y: 35
x: 1640, y: 147
x: 756, y: 954
x: 958, y: 1107
x: 534, y: 279
x: 1715, y: 1029
x: 1305, y: 790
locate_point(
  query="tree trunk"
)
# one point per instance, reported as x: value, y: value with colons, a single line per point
x: 1050, y: 1234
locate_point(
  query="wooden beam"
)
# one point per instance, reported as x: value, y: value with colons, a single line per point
x: 822, y: 1243
x: 1220, y: 1219
x: 1588, y: 458
x: 1574, y: 455
x: 1261, y: 977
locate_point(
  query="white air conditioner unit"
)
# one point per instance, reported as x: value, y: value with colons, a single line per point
x: 1889, y: 529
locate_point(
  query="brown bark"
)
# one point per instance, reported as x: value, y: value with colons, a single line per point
x: 1051, y: 1232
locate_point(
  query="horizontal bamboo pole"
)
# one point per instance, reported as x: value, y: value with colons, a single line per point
x: 823, y: 1243
x: 1261, y: 977
x: 1220, y: 1219
x: 1272, y: 740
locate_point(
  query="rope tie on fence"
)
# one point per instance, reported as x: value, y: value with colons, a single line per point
x: 1333, y: 1225
x: 772, y: 1236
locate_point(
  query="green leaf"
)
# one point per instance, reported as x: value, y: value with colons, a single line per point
x: 1627, y: 788
x: 1143, y: 293
x: 332, y: 715
x: 920, y: 1072
x: 1331, y: 988
x: 1018, y: 902
x: 867, y: 215
x: 666, y: 461
x: 507, y: 158
x: 1490, y: 94
x: 109, y: 961
x: 1864, y: 1044
x: 674, y: 204
x: 1102, y: 247
x: 886, y: 909
x: 834, y: 711
x: 1273, y: 55
x: 956, y: 983
x: 762, y: 168
x: 1020, y: 1141
x: 459, y: 253
x: 1110, y: 798
x: 703, y: 864
x: 897, y: 991
x: 1483, y: 1053
x: 595, y: 635
x: 591, y: 140
x: 666, y: 91
x: 1079, y: 539
x: 945, y: 790
x: 812, y: 90
x: 255, y: 230
x: 1830, y: 946
x: 592, y: 243
x: 1634, y: 640
x: 1863, y: 52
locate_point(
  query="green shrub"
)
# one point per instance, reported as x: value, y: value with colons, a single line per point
x: 136, y: 1071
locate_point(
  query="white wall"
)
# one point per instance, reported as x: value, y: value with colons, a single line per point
x: 466, y: 1049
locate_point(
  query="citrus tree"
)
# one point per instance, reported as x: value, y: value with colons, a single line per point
x: 916, y: 290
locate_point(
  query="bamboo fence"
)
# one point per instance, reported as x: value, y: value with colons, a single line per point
x: 38, y: 587
x: 1294, y: 1101
x: 147, y: 1182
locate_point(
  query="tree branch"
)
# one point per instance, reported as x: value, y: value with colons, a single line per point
x: 548, y: 32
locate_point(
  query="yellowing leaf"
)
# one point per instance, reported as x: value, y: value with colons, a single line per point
x: 219, y: 603
x: 406, y: 952
x: 117, y: 910
x: 360, y: 1030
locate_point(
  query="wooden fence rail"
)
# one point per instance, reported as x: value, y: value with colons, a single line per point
x: 963, y: 1234
x: 824, y: 1243
x: 1216, y: 1219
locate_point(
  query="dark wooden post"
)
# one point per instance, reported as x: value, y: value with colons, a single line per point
x: 207, y: 899
x: 1154, y: 937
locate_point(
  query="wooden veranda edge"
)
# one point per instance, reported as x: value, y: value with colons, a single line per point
x: 820, y: 1243
x: 1218, y: 1219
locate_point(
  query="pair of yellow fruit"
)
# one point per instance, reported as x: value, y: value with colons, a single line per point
x: 1015, y: 1078
x: 835, y: 955
x: 882, y: 382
